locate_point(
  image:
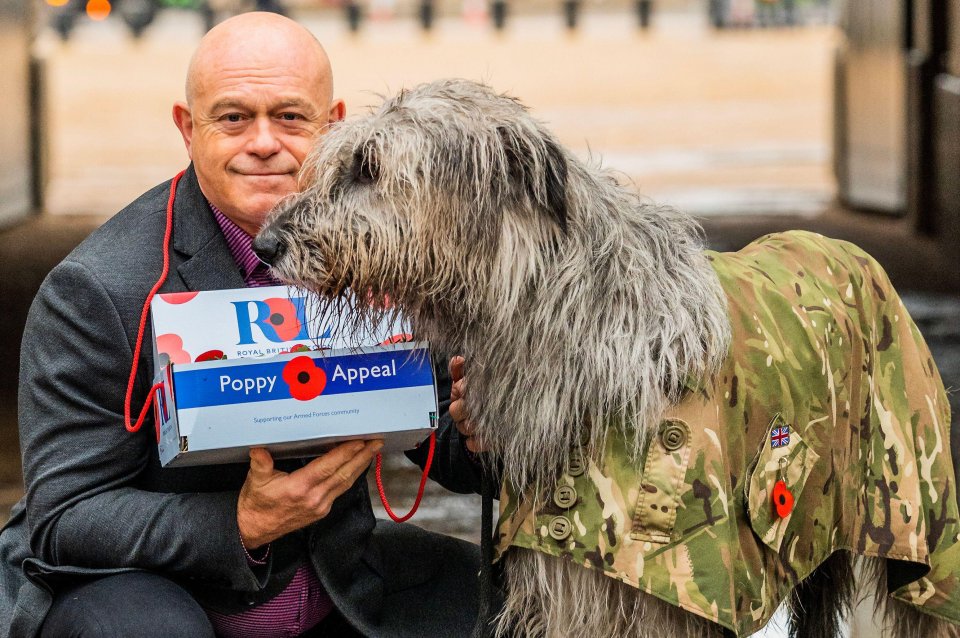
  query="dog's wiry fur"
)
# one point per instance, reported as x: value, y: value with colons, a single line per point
x: 575, y: 303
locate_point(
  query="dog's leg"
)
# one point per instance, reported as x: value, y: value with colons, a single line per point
x: 548, y: 597
x: 820, y: 602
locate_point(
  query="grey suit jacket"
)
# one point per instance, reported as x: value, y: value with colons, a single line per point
x: 97, y: 501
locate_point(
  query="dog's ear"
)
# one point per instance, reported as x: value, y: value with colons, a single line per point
x: 556, y: 187
x: 548, y: 188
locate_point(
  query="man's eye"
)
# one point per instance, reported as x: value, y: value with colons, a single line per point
x: 291, y: 117
x: 233, y: 117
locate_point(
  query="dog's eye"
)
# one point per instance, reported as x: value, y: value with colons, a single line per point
x: 366, y: 169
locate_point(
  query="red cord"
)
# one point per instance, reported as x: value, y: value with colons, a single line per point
x: 423, y: 483
x: 143, y: 322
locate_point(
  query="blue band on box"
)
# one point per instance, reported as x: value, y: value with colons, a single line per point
x: 250, y: 382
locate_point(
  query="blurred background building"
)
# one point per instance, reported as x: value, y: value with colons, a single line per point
x: 755, y: 115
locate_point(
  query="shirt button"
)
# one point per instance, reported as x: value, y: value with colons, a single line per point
x: 565, y: 496
x: 673, y: 435
x: 559, y: 528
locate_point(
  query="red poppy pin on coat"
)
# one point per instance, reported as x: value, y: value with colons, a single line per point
x: 782, y: 499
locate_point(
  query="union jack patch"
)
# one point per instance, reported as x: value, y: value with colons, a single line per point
x: 780, y: 437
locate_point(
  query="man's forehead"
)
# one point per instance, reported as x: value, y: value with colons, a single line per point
x: 283, y: 55
x: 275, y: 83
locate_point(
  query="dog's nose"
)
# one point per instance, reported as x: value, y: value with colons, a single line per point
x: 268, y: 246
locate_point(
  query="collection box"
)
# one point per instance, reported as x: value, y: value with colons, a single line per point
x: 263, y: 367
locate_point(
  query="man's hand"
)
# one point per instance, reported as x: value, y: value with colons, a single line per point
x: 458, y: 408
x: 274, y: 503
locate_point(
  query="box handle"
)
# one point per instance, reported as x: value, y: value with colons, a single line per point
x: 423, y: 483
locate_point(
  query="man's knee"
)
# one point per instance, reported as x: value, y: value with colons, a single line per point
x: 133, y: 604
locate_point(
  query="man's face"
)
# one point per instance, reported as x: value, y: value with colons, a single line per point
x: 249, y: 128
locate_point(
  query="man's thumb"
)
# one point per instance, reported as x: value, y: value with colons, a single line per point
x: 261, y: 463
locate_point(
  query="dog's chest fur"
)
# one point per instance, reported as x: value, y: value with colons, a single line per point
x: 828, y: 387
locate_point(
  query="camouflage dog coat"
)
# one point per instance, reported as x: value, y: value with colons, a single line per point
x: 829, y: 388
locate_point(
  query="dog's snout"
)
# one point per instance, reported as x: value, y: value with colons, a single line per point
x: 268, y: 247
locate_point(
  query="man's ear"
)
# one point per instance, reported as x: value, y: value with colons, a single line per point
x: 184, y: 123
x: 338, y: 111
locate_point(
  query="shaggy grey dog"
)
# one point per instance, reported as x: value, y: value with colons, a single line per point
x: 561, y: 288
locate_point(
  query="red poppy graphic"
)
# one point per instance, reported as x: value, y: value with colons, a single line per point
x: 305, y: 379
x: 283, y: 318
x: 404, y: 337
x: 171, y: 345
x: 178, y: 297
x: 211, y: 355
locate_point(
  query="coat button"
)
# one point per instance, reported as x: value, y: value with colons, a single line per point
x: 565, y: 496
x: 673, y: 435
x: 577, y: 466
x: 559, y: 528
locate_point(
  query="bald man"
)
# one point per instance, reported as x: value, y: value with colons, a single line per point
x: 108, y: 543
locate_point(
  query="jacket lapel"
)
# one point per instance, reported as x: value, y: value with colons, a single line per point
x: 207, y: 263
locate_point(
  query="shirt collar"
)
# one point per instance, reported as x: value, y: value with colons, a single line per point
x: 239, y: 242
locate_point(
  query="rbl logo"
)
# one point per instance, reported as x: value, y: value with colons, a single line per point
x: 279, y: 319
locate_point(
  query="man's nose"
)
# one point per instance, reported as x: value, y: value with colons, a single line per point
x: 265, y: 141
x: 267, y: 246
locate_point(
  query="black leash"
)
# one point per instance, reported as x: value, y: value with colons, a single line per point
x: 482, y: 629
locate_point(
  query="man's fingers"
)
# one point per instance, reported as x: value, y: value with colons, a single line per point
x: 458, y: 389
x: 344, y: 476
x: 320, y: 469
x: 347, y: 474
x: 456, y: 368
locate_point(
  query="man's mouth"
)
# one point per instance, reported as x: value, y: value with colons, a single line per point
x: 271, y: 174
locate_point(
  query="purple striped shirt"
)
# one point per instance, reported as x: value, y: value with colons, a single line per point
x: 255, y: 272
x: 304, y: 602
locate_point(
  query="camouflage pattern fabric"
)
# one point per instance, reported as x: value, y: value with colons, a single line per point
x: 828, y: 387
